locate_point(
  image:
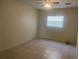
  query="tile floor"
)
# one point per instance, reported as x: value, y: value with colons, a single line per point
x: 40, y: 49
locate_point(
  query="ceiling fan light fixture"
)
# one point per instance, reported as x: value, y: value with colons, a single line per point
x: 47, y: 5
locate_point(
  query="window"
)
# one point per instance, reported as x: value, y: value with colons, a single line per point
x: 55, y: 21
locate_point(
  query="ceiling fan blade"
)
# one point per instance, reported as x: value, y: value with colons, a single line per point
x: 55, y: 2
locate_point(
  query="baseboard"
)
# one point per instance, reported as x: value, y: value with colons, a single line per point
x: 12, y: 46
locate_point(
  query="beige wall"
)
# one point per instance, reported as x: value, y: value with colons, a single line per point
x: 18, y: 23
x: 67, y: 33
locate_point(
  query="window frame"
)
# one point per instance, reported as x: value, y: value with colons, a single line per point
x: 55, y: 26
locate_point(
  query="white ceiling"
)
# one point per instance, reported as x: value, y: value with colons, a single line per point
x: 62, y: 4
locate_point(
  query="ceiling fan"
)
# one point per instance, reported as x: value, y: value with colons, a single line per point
x: 46, y: 3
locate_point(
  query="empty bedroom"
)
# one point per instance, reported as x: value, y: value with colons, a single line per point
x: 38, y: 29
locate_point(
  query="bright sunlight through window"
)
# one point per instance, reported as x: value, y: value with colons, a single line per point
x: 55, y: 21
